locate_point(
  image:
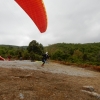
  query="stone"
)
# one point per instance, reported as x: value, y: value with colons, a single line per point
x: 88, y: 88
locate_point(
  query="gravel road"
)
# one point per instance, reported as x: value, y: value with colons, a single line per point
x: 49, y: 67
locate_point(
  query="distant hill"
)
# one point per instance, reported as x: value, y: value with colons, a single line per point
x: 67, y: 46
x: 14, y: 46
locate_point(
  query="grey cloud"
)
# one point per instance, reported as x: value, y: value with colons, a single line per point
x: 69, y: 21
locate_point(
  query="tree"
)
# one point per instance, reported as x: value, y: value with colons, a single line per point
x: 35, y: 49
x: 77, y: 56
x: 25, y: 55
x: 58, y: 55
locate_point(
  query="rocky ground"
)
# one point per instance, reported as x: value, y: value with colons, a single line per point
x: 25, y: 80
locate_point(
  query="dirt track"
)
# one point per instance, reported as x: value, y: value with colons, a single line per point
x: 25, y: 80
x: 49, y: 67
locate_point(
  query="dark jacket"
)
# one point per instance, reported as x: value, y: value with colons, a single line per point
x: 45, y: 56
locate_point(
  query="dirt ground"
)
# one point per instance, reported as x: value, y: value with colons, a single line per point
x: 29, y: 81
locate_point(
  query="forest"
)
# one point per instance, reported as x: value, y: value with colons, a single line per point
x: 70, y: 53
x: 88, y: 53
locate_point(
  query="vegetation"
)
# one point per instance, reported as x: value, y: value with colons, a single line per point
x: 88, y: 53
x: 35, y: 50
x: 71, y: 53
x: 13, y: 51
x: 32, y: 52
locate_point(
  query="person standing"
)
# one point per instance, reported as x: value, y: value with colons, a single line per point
x: 44, y: 58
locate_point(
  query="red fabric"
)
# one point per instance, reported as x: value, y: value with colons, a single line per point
x: 2, y: 58
x: 36, y: 10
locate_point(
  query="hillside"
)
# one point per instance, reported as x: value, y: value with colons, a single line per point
x: 14, y: 46
x: 80, y: 54
x: 88, y: 53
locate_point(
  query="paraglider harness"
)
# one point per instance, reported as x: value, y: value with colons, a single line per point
x: 45, y: 57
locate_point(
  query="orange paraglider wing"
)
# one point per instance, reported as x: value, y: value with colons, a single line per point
x: 36, y: 11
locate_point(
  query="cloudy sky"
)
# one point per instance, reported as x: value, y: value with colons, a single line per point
x: 69, y: 21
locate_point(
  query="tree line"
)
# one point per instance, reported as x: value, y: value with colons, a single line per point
x: 88, y: 53
x: 31, y: 52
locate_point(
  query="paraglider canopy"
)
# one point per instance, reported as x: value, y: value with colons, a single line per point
x: 1, y: 58
x: 36, y: 11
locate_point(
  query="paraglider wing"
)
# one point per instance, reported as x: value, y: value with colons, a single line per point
x: 36, y: 11
x: 1, y: 58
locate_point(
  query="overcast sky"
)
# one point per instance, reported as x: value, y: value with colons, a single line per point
x: 69, y: 21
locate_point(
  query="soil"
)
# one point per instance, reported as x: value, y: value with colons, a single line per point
x: 25, y: 80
